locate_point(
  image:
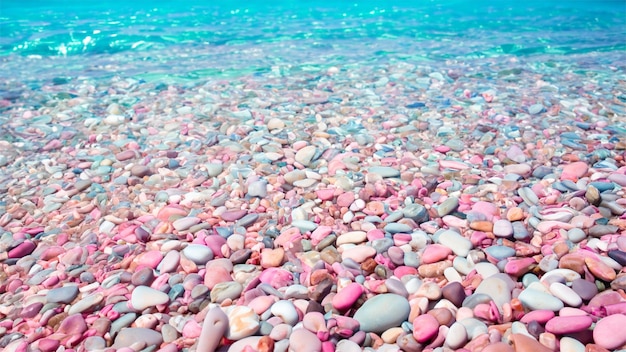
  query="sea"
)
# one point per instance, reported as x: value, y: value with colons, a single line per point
x: 187, y: 40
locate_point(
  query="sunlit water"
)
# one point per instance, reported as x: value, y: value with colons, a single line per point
x: 185, y: 39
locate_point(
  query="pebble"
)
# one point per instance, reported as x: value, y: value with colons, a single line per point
x: 567, y: 325
x: 384, y: 171
x: 145, y: 297
x: 536, y: 300
x: 65, y: 294
x: 396, y: 310
x: 457, y: 243
x: 604, y: 332
x: 242, y: 322
x: 128, y: 337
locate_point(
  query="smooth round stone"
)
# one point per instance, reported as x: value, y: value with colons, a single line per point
x: 474, y: 327
x: 434, y: 253
x: 242, y: 322
x: 129, y: 336
x: 569, y: 344
x: 352, y: 237
x: 520, y: 232
x: 455, y: 293
x: 457, y: 243
x: 535, y: 109
x: 576, y: 235
x: 226, y: 290
x: 540, y: 316
x: 500, y: 252
x: 286, y: 311
x: 502, y: 228
x: 425, y: 327
x: 358, y: 253
x: 87, y: 303
x: 305, y: 155
x: 64, y: 294
x: 198, y: 253
x: 144, y: 297
x: 537, y: 300
x: 382, y: 245
x: 496, y: 288
x: 170, y: 262
x: 143, y: 277
x: 605, y: 331
x: 257, y: 189
x: 618, y: 256
x: 304, y: 225
x: 456, y: 337
x: 369, y: 315
x: 416, y: 212
x: 568, y: 325
x: 305, y: 341
x: 398, y: 228
x: 347, y: 296
x: 348, y: 346
x: 185, y: 223
x: 565, y: 294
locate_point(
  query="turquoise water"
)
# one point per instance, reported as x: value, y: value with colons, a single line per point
x: 234, y: 37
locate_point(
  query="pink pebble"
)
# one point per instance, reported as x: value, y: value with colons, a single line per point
x: 403, y: 270
x: 22, y: 249
x: 347, y: 296
x: 150, y: 259
x: 566, y: 325
x: 345, y: 199
x: 606, y: 331
x: 192, y: 329
x: 304, y: 340
x: 325, y: 194
x: 540, y: 316
x: 425, y: 327
x: 73, y: 324
x: 216, y: 275
x: 276, y: 277
x: 233, y: 215
x: 215, y: 242
x: 434, y: 253
x: 574, y: 171
x: 48, y: 345
x: 320, y: 233
x: 488, y: 209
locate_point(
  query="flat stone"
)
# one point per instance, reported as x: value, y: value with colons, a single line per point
x: 398, y: 228
x: 502, y: 228
x: 384, y: 171
x: 457, y: 243
x: 198, y: 253
x: 416, y: 212
x: 63, y: 295
x: 305, y: 155
x: 537, y: 300
x: 369, y: 315
x: 185, y: 223
x: 129, y: 336
x: 144, y: 297
x: 226, y: 290
x: 448, y: 206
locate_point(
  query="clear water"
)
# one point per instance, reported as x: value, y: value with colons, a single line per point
x: 189, y: 39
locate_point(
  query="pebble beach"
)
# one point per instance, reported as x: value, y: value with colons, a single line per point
x: 339, y: 177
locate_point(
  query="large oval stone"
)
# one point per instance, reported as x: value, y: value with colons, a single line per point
x: 382, y: 312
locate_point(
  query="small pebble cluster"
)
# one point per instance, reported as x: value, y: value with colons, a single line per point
x: 381, y: 208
